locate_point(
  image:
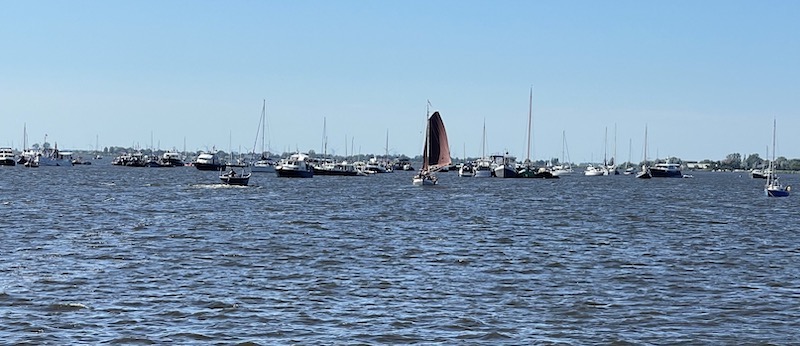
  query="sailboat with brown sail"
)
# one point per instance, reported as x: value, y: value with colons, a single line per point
x: 436, y: 152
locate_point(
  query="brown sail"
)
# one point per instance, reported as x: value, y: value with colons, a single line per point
x: 437, y: 149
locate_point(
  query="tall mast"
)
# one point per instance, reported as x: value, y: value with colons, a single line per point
x: 630, y: 145
x: 269, y: 145
x: 263, y: 125
x: 324, y: 136
x: 615, y: 144
x: 426, y: 145
x: 605, y: 144
x: 483, y: 141
x: 774, y: 125
x: 645, y: 145
x: 530, y: 118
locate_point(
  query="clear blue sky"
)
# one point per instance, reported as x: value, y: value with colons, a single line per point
x: 706, y: 77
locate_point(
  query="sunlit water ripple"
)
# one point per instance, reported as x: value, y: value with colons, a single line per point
x: 103, y: 254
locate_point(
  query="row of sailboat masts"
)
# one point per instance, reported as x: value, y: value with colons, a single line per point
x: 325, y: 141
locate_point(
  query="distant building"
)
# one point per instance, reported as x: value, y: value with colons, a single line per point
x: 696, y: 165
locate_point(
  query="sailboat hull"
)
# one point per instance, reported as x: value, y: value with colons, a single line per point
x: 263, y: 168
x: 776, y: 192
x: 423, y: 181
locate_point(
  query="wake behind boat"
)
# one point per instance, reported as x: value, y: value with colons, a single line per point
x: 435, y: 153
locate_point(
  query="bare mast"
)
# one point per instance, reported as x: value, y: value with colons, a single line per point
x: 530, y: 120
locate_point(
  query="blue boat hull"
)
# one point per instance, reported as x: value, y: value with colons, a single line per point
x: 659, y: 173
x: 291, y: 173
x: 776, y: 193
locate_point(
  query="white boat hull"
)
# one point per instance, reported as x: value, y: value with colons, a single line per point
x: 422, y: 182
x: 561, y: 172
x: 594, y: 173
x: 482, y: 174
x: 263, y: 169
x: 466, y: 173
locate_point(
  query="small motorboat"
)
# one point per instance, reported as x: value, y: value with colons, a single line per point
x: 232, y: 177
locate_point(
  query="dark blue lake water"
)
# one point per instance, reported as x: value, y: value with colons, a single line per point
x: 105, y: 254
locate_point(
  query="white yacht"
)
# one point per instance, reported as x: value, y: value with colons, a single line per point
x: 208, y: 162
x: 7, y: 157
x: 594, y: 171
x: 296, y: 166
x: 666, y: 170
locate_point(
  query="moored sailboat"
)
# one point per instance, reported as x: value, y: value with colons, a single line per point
x: 527, y: 170
x: 483, y: 166
x: 645, y: 172
x: 435, y: 153
x: 773, y: 187
x: 264, y: 164
x: 563, y: 167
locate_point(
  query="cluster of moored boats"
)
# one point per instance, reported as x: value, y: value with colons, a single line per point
x: 43, y: 157
x: 235, y: 172
x: 435, y: 158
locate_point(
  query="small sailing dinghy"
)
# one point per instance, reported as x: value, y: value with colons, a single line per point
x: 436, y: 152
x: 774, y: 188
x: 232, y: 177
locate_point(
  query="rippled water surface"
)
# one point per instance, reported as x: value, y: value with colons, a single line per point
x: 105, y: 254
